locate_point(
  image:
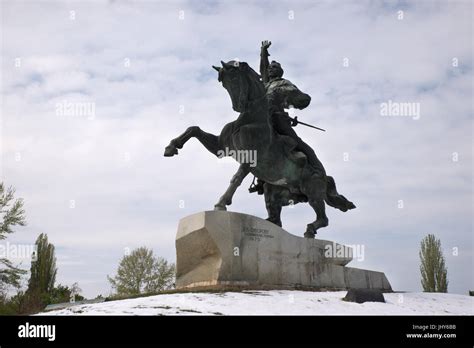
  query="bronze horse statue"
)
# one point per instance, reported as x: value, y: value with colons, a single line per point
x: 288, y: 177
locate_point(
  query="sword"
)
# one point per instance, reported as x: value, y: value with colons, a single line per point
x: 294, y: 122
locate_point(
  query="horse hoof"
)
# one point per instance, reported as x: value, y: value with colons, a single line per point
x: 309, y: 234
x: 170, y: 151
x: 220, y: 208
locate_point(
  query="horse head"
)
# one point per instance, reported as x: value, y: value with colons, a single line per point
x: 241, y: 82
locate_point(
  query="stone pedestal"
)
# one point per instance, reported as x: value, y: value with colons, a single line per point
x: 220, y: 249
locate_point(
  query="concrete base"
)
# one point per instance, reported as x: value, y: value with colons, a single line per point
x: 220, y: 249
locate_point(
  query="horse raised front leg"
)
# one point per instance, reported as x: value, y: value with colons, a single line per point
x: 236, y: 181
x: 210, y: 141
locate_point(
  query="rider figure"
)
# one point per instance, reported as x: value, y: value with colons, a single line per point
x: 282, y: 94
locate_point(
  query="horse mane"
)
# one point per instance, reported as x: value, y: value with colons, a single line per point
x: 253, y: 90
x: 255, y: 79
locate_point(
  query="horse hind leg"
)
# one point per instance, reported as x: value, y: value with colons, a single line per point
x: 210, y: 141
x: 236, y: 181
x: 321, y: 217
x: 316, y: 193
x: 273, y: 203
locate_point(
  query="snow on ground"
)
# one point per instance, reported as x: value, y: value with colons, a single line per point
x: 277, y: 303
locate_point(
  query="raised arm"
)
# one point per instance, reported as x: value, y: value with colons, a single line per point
x: 264, y: 63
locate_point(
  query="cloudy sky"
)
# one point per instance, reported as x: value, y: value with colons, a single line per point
x: 98, y: 183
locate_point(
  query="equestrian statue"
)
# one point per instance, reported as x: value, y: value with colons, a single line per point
x: 287, y: 169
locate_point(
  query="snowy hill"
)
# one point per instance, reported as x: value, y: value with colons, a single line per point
x: 277, y: 303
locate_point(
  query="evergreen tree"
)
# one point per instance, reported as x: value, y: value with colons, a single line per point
x: 43, y: 268
x: 433, y: 269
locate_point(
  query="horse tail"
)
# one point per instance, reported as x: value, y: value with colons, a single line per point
x: 334, y: 199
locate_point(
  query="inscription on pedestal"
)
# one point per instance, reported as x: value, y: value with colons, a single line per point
x: 256, y: 234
